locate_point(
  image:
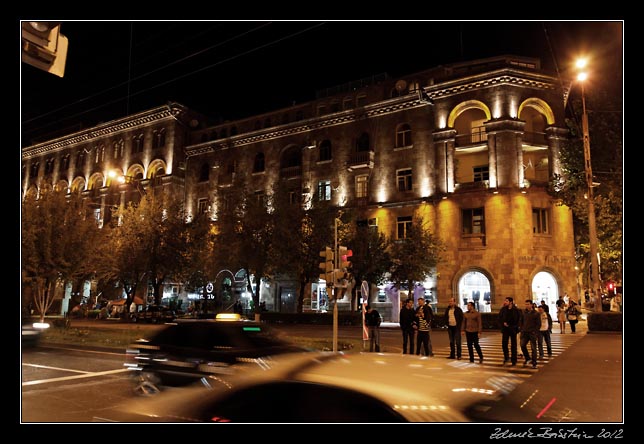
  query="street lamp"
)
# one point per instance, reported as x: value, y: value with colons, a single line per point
x: 592, y: 229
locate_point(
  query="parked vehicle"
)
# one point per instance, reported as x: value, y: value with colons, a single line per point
x: 156, y: 314
x: 188, y: 350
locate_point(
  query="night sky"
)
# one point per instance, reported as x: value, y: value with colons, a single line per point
x: 234, y: 69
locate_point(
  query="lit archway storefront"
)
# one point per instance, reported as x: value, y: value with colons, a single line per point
x: 475, y: 286
x: 544, y: 287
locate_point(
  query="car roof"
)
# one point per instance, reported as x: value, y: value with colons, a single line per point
x: 418, y: 388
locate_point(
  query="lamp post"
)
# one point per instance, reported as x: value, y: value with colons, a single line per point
x: 592, y: 228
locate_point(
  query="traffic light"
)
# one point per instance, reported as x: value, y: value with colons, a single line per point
x: 611, y: 288
x: 344, y: 254
x: 44, y: 47
x: 327, y: 265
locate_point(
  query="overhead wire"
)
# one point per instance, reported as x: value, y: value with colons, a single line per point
x: 183, y: 59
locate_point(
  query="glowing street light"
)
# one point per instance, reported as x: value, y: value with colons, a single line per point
x: 592, y: 228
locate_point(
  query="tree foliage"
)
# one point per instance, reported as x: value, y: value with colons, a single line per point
x: 605, y: 130
x: 415, y: 258
x: 58, y: 244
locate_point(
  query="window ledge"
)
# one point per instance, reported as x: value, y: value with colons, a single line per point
x: 401, y: 148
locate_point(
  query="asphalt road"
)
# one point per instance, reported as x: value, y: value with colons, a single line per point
x: 583, y: 382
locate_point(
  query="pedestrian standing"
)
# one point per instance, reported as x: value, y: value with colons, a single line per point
x: 372, y: 320
x: 509, y: 320
x: 561, y: 315
x: 428, y: 315
x: 572, y: 314
x: 473, y: 328
x: 423, y: 334
x: 545, y: 329
x: 530, y: 324
x: 453, y: 319
x: 407, y: 320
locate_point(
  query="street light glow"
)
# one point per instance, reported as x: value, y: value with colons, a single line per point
x: 581, y: 63
x: 582, y: 76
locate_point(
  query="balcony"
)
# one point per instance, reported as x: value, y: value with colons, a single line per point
x: 291, y: 172
x: 535, y: 139
x: 471, y: 186
x: 362, y: 159
x: 478, y: 136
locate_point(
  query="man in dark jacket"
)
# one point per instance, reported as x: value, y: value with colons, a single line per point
x: 407, y: 318
x: 372, y: 320
x: 453, y: 319
x: 509, y: 320
x: 530, y: 324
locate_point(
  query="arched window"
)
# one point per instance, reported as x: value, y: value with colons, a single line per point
x: 362, y: 144
x: 137, y: 144
x: 325, y: 150
x: 118, y: 149
x: 80, y: 159
x: 204, y: 173
x: 99, y: 155
x: 49, y: 165
x: 258, y: 165
x: 159, y: 138
x: 403, y: 135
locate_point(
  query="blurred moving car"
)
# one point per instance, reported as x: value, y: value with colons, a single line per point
x: 325, y: 387
x: 32, y: 332
x: 156, y: 314
x: 189, y: 350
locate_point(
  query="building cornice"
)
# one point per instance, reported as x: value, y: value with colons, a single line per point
x: 499, y: 77
x: 111, y: 128
x: 381, y: 108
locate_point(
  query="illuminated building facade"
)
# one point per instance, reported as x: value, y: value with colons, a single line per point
x: 469, y: 147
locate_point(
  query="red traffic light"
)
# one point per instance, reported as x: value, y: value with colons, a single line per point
x: 345, y: 256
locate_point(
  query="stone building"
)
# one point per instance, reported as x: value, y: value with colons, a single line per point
x: 469, y: 146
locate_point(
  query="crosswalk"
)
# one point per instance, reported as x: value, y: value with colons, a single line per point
x: 493, y: 356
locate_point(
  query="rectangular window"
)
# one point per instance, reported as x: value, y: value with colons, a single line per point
x: 324, y: 190
x: 361, y: 186
x: 293, y: 197
x: 347, y: 103
x: 478, y: 131
x: 481, y: 173
x: 361, y: 100
x: 540, y: 221
x: 473, y: 221
x: 403, y: 226
x: 403, y: 177
x: 202, y: 205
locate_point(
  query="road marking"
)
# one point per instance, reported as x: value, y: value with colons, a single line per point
x: 83, y: 351
x: 552, y: 401
x: 69, y: 378
x: 54, y: 368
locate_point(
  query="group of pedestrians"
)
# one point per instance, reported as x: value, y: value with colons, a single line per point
x: 416, y: 327
x: 567, y: 312
x: 519, y: 328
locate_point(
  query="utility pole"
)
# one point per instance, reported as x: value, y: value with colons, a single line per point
x: 592, y: 227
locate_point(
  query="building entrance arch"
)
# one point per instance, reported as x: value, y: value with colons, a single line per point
x: 544, y: 287
x: 474, y: 286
